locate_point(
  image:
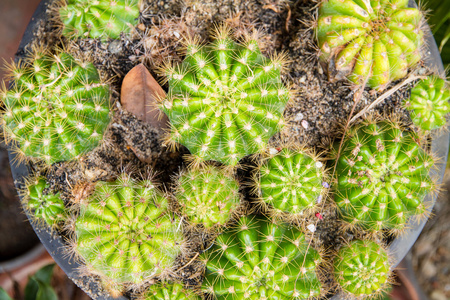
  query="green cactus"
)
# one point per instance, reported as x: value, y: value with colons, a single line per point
x: 125, y: 233
x: 46, y: 207
x: 378, y: 40
x: 382, y: 176
x: 362, y: 269
x: 226, y: 100
x: 207, y: 195
x: 428, y: 104
x: 166, y: 291
x: 261, y: 260
x: 291, y: 182
x: 98, y: 18
x: 57, y: 109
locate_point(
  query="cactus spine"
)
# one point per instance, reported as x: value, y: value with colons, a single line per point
x: 174, y: 291
x: 57, y: 109
x: 226, y: 100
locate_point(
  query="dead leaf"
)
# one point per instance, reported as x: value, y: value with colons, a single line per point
x: 139, y: 95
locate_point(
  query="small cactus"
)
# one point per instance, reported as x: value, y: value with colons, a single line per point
x: 428, y: 104
x: 57, y: 109
x: 261, y: 260
x: 44, y: 207
x: 226, y: 100
x: 125, y: 233
x: 291, y: 182
x: 378, y: 40
x: 362, y: 269
x: 174, y: 291
x: 382, y: 176
x: 208, y: 196
x: 98, y: 18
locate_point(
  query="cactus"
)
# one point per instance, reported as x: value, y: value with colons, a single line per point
x: 57, y: 109
x: 261, y: 260
x: 98, y: 18
x: 226, y: 100
x: 428, y: 104
x: 125, y: 233
x: 362, y: 269
x: 208, y: 196
x: 382, y: 176
x: 166, y: 291
x: 47, y: 207
x: 373, y: 40
x: 291, y: 182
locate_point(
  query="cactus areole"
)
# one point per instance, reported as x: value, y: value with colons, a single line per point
x: 373, y: 40
x: 57, y: 110
x: 382, y: 176
x: 261, y: 260
x: 226, y: 100
x: 169, y: 291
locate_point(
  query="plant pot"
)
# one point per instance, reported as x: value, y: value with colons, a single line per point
x: 55, y: 243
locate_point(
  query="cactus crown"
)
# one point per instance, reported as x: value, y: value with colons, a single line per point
x: 208, y: 195
x: 428, y: 104
x: 125, y: 233
x: 57, y: 109
x: 98, y: 18
x: 261, y: 260
x: 362, y: 269
x: 291, y: 181
x: 46, y: 207
x: 174, y: 291
x: 382, y: 176
x: 377, y: 40
x: 225, y: 100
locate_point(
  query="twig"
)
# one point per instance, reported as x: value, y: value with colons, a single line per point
x: 189, y: 262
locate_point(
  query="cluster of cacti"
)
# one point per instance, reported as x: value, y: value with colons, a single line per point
x: 125, y: 232
x: 226, y: 100
x: 362, y: 269
x: 98, y: 18
x: 382, y: 176
x: 259, y: 259
x: 169, y: 291
x: 46, y: 207
x: 57, y: 108
x: 207, y: 195
x: 375, y: 41
x: 291, y: 182
x: 428, y: 104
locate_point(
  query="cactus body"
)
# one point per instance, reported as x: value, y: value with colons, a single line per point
x: 57, y: 109
x: 125, y: 233
x: 261, y: 260
x: 377, y: 40
x: 174, y: 291
x: 382, y: 176
x: 208, y: 196
x: 429, y: 104
x: 99, y: 18
x: 291, y: 182
x: 46, y: 207
x: 362, y: 269
x: 226, y: 100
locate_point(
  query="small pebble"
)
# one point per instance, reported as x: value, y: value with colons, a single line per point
x: 298, y: 117
x: 141, y: 27
x: 176, y: 34
x: 319, y: 199
x: 325, y: 185
x: 115, y: 47
x: 311, y: 227
x: 273, y: 151
x: 302, y: 79
x: 319, y: 164
x: 305, y: 124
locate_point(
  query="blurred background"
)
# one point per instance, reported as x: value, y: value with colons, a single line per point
x: 27, y: 271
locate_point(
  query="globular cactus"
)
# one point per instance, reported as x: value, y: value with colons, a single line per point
x: 226, y: 100
x: 428, y: 104
x: 208, y: 195
x: 374, y: 40
x: 98, y: 18
x: 382, y: 176
x: 259, y: 259
x: 125, y: 233
x: 47, y: 207
x: 169, y: 291
x: 291, y: 183
x: 57, y: 109
x: 362, y: 269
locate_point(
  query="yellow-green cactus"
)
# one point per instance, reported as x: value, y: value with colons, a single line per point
x: 169, y: 291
